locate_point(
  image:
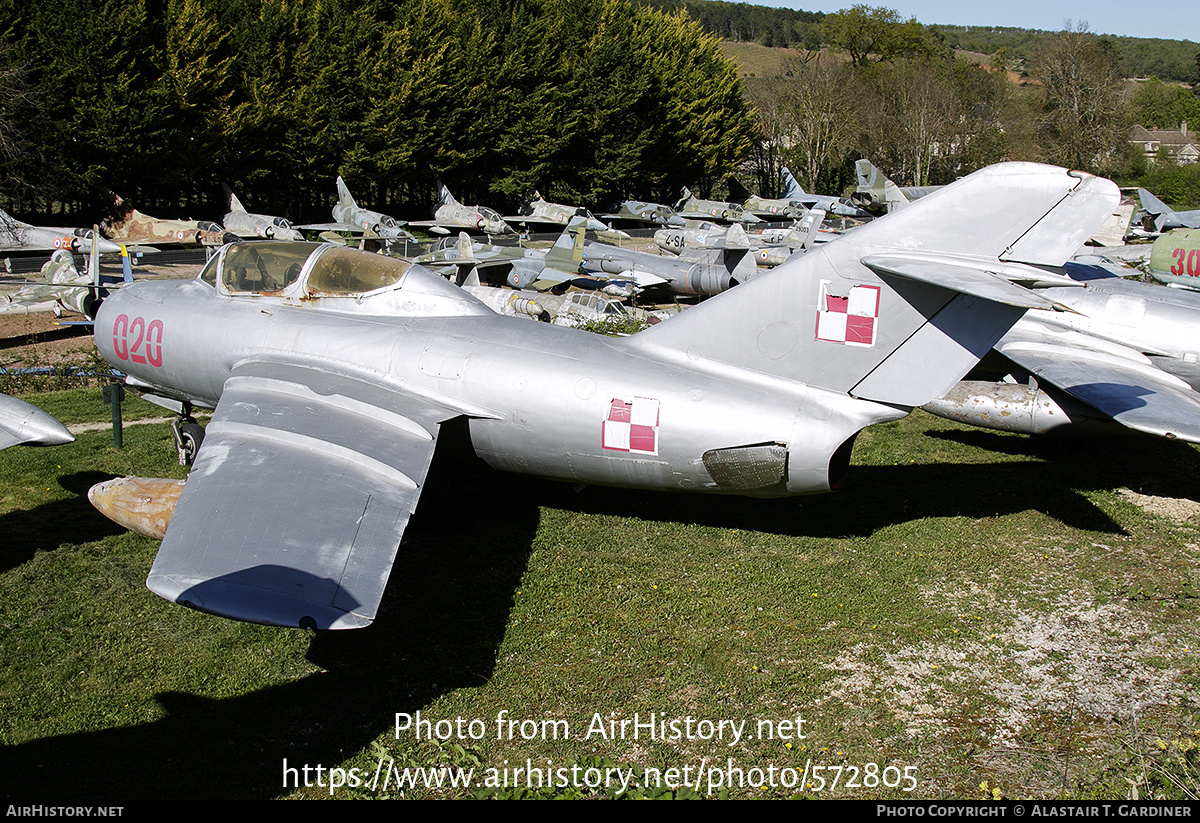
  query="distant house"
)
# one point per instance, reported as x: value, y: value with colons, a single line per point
x: 1184, y: 148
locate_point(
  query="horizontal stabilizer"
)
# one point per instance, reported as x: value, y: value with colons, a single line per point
x: 968, y: 277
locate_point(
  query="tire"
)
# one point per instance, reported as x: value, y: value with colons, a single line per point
x: 191, y: 435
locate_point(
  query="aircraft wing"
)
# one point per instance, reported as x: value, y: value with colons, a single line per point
x: 1113, y: 379
x: 295, y: 506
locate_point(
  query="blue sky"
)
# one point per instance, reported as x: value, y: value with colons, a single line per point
x: 1175, y: 20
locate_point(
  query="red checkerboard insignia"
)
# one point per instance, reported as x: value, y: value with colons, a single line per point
x: 631, y: 426
x: 851, y: 319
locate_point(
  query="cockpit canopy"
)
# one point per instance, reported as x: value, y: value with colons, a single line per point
x: 272, y: 268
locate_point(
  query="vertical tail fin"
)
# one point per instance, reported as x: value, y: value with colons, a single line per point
x: 566, y: 254
x: 345, y: 199
x: 792, y: 190
x: 898, y: 310
x: 809, y: 226
x: 445, y: 198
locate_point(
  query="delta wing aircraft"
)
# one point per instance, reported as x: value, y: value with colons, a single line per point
x: 249, y: 225
x: 451, y: 214
x: 541, y: 212
x: 875, y: 189
x: 831, y: 205
x: 1158, y: 216
x: 330, y: 390
x: 640, y: 211
x: 696, y: 208
x: 348, y: 216
x: 1125, y: 351
x: 18, y: 236
x: 26, y: 425
x: 514, y: 266
x: 130, y: 226
x: 794, y: 203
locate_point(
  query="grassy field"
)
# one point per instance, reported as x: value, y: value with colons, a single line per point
x: 985, y: 615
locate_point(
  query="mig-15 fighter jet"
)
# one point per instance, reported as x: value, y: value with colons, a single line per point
x: 1124, y: 351
x: 1175, y: 258
x: 331, y: 390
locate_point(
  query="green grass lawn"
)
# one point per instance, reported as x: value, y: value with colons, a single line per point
x: 986, y: 614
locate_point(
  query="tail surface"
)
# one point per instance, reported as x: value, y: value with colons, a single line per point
x: 445, y: 198
x: 792, y: 190
x: 345, y: 199
x: 898, y: 310
x: 566, y: 255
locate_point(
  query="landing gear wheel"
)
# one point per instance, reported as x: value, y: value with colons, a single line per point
x: 188, y: 436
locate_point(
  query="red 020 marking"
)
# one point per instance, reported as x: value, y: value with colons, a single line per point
x: 137, y: 341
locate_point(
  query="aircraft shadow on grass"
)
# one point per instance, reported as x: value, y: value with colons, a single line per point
x: 451, y: 594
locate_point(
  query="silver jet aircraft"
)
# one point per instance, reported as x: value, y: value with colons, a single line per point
x: 795, y: 202
x: 451, y: 214
x: 348, y: 216
x: 18, y: 236
x: 874, y: 188
x: 541, y: 212
x: 249, y: 225
x: 1125, y: 351
x: 693, y: 271
x: 699, y: 209
x: 1158, y: 216
x: 330, y: 391
x: 63, y: 288
x: 514, y: 266
x: 641, y: 211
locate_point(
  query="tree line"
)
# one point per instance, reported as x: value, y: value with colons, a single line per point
x: 163, y: 100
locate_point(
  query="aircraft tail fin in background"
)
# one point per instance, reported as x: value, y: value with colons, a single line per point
x: 868, y: 313
x: 567, y: 252
x: 737, y: 192
x: 792, y: 190
x: 234, y: 203
x: 810, y: 224
x: 1157, y: 209
x: 445, y: 198
x: 345, y: 199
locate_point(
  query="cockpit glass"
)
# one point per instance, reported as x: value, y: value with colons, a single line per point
x: 347, y: 271
x: 264, y: 267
